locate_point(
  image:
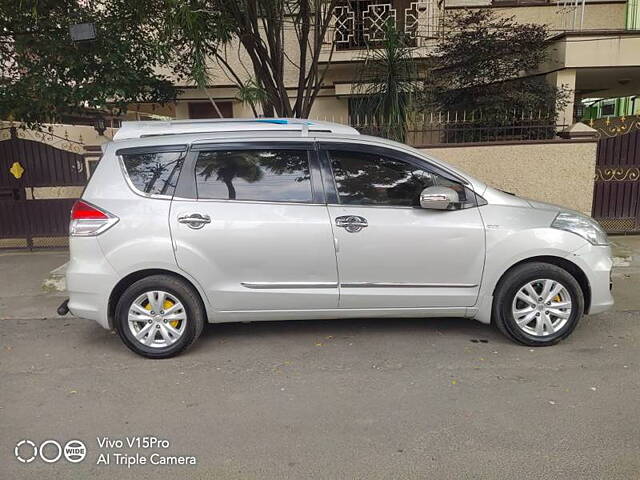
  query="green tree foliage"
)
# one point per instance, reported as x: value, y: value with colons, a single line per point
x: 251, y: 93
x: 479, y: 62
x: 45, y: 76
x: 193, y: 32
x: 386, y: 83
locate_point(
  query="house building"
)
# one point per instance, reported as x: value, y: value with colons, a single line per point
x: 594, y: 51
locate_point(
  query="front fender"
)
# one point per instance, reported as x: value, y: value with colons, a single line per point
x: 515, y: 234
x: 505, y: 250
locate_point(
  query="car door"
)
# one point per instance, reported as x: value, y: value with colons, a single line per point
x: 249, y: 222
x: 392, y: 253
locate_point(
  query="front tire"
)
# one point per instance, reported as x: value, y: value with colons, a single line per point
x: 159, y: 316
x: 538, y: 304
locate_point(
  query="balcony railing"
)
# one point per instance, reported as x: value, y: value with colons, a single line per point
x: 571, y: 14
x: 361, y: 23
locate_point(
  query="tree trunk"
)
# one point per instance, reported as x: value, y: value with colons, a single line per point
x: 231, y: 188
x: 260, y: 28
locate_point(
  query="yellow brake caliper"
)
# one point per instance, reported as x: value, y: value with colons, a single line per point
x: 166, y: 305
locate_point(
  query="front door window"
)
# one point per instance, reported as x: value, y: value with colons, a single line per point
x: 364, y: 178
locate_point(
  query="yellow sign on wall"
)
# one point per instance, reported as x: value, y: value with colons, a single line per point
x: 16, y: 170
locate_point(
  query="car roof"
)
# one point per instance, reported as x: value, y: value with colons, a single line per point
x: 226, y: 126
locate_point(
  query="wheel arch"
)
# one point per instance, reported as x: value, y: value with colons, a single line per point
x: 563, y: 263
x: 133, y: 277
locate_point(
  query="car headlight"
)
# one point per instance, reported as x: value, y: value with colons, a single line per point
x: 581, y: 225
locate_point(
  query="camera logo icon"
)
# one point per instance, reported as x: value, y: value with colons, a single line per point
x: 75, y: 451
x: 50, y: 451
x: 25, y: 451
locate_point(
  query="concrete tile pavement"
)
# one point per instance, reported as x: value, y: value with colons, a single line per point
x: 22, y: 275
x: 626, y: 273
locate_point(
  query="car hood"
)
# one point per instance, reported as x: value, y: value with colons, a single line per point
x: 544, y: 205
x: 500, y: 197
x: 550, y: 206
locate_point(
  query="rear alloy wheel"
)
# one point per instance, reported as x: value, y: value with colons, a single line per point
x: 159, y: 316
x: 538, y: 304
x: 157, y: 319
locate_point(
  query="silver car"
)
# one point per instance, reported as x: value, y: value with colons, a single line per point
x: 187, y: 222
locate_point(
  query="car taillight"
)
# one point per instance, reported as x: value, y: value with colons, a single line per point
x: 88, y: 220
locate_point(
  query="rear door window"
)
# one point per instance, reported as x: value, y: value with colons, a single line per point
x: 275, y: 175
x: 153, y: 173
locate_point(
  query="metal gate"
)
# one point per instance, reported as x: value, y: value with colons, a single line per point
x: 616, y: 197
x: 40, y: 178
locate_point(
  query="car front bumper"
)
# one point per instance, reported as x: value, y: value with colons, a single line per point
x: 596, y: 262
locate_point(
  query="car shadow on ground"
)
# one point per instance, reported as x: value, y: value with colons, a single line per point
x: 375, y: 335
x: 430, y: 330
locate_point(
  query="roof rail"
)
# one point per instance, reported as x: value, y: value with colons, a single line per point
x: 176, y: 127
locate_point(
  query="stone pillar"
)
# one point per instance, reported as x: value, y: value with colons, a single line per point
x: 579, y: 131
x: 182, y: 110
x: 565, y: 79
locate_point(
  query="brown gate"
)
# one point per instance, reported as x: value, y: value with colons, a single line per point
x: 38, y: 185
x: 616, y: 198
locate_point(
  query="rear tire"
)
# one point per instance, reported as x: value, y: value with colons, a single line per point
x: 537, y: 304
x: 159, y: 316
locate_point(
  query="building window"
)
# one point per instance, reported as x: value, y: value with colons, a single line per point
x: 206, y: 110
x: 361, y: 23
x: 608, y: 109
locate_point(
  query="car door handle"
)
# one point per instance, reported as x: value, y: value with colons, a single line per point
x: 352, y: 223
x: 195, y: 220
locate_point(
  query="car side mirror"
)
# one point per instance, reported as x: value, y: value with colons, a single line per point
x: 439, y: 198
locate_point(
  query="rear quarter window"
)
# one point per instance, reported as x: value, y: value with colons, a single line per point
x: 154, y: 173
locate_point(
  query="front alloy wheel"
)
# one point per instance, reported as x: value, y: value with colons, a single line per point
x: 541, y: 307
x: 537, y: 304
